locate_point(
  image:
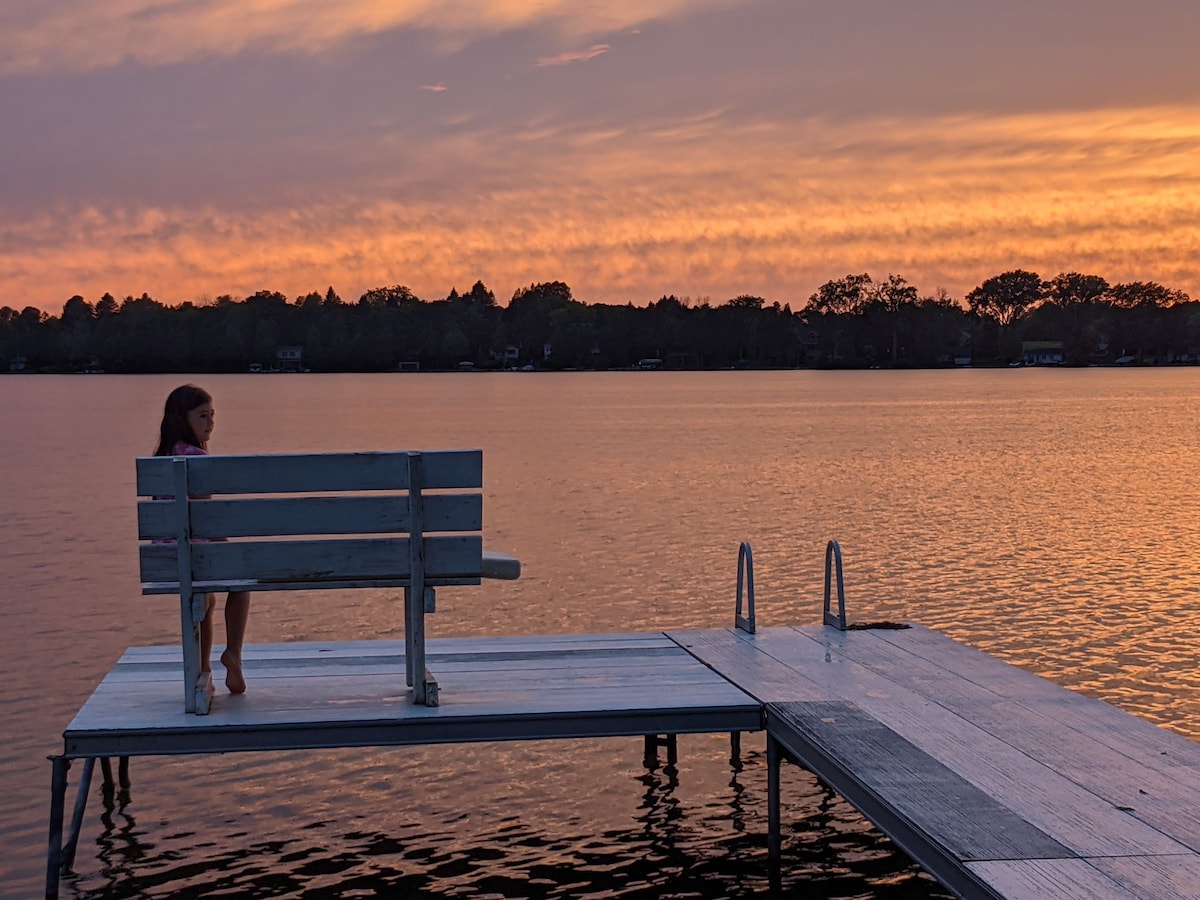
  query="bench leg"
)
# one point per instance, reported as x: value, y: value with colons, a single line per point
x: 408, y: 637
x: 431, y: 685
x: 431, y: 690
x: 424, y: 685
x: 197, y: 687
x: 419, y: 674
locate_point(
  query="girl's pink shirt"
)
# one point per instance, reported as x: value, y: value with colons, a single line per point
x: 183, y: 448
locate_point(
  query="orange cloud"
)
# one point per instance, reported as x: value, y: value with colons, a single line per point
x: 82, y: 35
x: 702, y: 207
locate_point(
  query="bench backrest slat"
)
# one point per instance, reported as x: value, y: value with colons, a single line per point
x: 286, y: 516
x: 312, y: 473
x: 443, y: 505
x: 454, y: 558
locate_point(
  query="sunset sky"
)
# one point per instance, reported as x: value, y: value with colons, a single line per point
x: 631, y: 148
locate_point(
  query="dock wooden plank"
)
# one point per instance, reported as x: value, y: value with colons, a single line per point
x: 759, y: 674
x: 944, y: 806
x: 955, y: 674
x: 1166, y: 877
x: 1049, y: 879
x: 1118, y: 764
x: 1160, y: 747
x: 1072, y: 815
x: 389, y: 711
x: 1131, y: 779
x: 496, y: 646
x: 145, y: 711
x: 1160, y: 877
x: 516, y: 666
x: 961, y: 659
x: 140, y: 706
x: 1069, y: 812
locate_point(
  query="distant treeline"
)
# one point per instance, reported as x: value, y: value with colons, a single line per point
x: 854, y: 321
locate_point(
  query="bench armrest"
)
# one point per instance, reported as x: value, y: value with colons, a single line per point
x: 501, y: 565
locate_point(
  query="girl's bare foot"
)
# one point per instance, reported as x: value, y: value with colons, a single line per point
x: 234, y: 680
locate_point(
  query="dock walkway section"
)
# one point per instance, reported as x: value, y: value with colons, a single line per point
x: 999, y: 782
x: 352, y: 694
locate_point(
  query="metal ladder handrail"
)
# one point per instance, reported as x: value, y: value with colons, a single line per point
x: 833, y: 551
x: 745, y: 574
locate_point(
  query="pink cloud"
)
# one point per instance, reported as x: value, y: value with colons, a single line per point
x: 434, y: 88
x: 574, y: 56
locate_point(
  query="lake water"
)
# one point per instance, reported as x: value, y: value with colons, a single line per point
x: 1048, y: 517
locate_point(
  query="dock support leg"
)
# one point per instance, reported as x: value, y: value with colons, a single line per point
x: 58, y: 794
x: 653, y: 742
x: 735, y: 749
x: 774, y: 840
x: 107, y: 785
x: 81, y: 799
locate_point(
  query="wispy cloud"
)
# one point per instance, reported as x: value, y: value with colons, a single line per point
x: 434, y: 88
x: 82, y: 35
x: 574, y: 56
x: 629, y: 215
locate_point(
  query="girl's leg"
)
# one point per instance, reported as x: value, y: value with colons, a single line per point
x: 237, y: 612
x: 206, y: 633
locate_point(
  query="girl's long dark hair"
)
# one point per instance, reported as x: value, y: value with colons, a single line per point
x: 175, y: 427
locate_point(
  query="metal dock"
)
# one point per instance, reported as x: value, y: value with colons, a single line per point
x: 998, y: 782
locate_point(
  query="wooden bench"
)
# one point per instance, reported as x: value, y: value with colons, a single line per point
x: 331, y: 521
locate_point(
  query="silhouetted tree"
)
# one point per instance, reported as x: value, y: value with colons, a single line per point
x: 894, y: 296
x: 850, y: 321
x: 528, y: 315
x: 1007, y: 297
x: 1144, y: 293
x: 480, y: 295
x: 843, y: 295
x: 1071, y: 289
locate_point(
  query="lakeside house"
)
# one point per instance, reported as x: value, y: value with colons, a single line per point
x: 1042, y: 353
x: 289, y: 358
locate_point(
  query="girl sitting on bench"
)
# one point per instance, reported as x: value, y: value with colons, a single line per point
x: 187, y: 424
